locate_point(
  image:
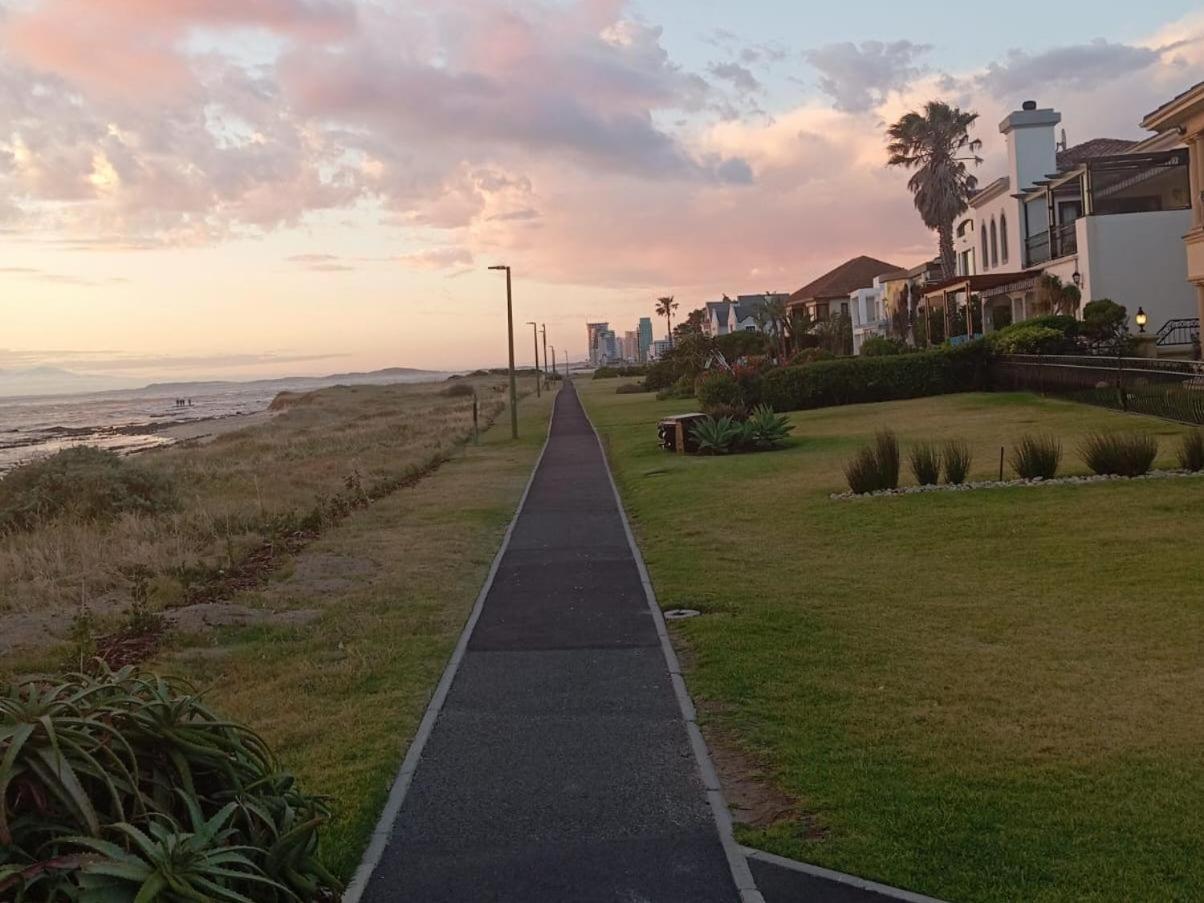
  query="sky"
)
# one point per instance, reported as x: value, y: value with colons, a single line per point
x: 250, y: 188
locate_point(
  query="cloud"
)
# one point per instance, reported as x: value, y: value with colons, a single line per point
x: 1076, y: 66
x: 858, y: 77
x: 740, y: 77
x: 438, y: 258
x: 59, y: 278
x: 109, y: 361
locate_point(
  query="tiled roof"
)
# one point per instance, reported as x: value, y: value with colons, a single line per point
x: 1096, y: 147
x: 848, y: 277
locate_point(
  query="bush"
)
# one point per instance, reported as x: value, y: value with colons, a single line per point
x: 1027, y: 338
x: 863, y: 379
x: 630, y: 389
x: 750, y: 381
x: 925, y: 463
x: 715, y: 387
x: 811, y: 355
x: 883, y: 346
x: 613, y: 372
x: 86, y: 482
x: 121, y: 785
x: 1037, y: 457
x: 458, y: 390
x: 683, y: 388
x: 735, y: 345
x: 957, y: 461
x: 875, y: 467
x: 660, y: 376
x: 716, y: 437
x: 1191, y: 451
x: 1124, y: 454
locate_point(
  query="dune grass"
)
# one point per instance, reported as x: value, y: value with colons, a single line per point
x: 383, y: 593
x: 982, y: 696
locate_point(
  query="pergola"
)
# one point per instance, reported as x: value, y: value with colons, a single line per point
x: 984, y: 286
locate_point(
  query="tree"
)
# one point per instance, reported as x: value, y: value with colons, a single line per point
x: 1055, y: 297
x: 694, y: 323
x: 1106, y: 322
x: 935, y: 145
x: 664, y: 308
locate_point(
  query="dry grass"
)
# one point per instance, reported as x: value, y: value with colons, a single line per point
x: 238, y: 491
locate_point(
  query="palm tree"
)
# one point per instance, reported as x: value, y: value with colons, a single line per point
x: 936, y: 144
x: 664, y: 308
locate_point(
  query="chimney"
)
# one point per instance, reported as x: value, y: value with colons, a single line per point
x: 1032, y: 145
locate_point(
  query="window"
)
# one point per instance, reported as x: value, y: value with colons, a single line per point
x: 1003, y: 235
x: 844, y: 308
x: 986, y: 260
x: 994, y: 245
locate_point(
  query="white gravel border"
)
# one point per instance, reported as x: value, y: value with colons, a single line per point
x: 1008, y: 484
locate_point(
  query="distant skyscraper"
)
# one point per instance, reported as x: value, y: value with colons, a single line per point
x: 645, y: 339
x: 631, y: 346
x: 594, y: 332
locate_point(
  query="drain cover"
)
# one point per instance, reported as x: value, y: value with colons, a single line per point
x: 680, y: 614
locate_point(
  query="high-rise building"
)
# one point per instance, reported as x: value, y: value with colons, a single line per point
x: 631, y: 346
x: 594, y: 332
x: 645, y: 339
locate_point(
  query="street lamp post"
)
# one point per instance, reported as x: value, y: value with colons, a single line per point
x: 510, y: 338
x: 543, y: 328
x: 535, y: 337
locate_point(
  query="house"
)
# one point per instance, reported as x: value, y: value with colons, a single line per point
x: 1183, y: 116
x: 739, y: 315
x: 868, y: 309
x: 904, y: 291
x: 1099, y: 215
x: 829, y: 295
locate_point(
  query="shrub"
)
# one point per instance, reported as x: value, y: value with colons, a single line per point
x: 1125, y: 454
x: 875, y: 467
x: 1191, y: 451
x: 458, y: 390
x: 716, y: 437
x: 735, y: 345
x: 627, y: 370
x: 957, y: 461
x: 85, y: 482
x: 925, y: 463
x: 1028, y: 338
x: 630, y: 389
x: 811, y: 355
x: 883, y: 346
x: 750, y: 381
x: 767, y: 428
x: 660, y: 376
x: 864, y: 379
x: 715, y: 387
x: 1037, y: 457
x: 119, y: 785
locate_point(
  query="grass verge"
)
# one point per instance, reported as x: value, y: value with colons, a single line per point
x: 988, y: 696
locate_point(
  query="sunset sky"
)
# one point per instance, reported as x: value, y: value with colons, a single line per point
x: 237, y: 188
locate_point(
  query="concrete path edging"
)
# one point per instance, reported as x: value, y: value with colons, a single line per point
x: 401, y: 784
x: 815, y: 871
x: 736, y: 857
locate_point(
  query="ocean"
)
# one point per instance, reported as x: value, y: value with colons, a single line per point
x: 130, y: 420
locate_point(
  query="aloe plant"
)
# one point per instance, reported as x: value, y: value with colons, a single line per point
x: 716, y: 437
x: 124, y: 785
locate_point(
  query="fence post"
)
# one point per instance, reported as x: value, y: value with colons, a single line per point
x: 1040, y: 374
x: 1120, y: 376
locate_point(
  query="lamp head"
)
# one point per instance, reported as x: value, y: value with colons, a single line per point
x: 500, y: 266
x: 1141, y: 319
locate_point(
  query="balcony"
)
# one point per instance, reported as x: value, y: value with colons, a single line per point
x: 1065, y: 240
x: 1037, y: 250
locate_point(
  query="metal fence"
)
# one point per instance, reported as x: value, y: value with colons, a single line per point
x: 1173, y: 389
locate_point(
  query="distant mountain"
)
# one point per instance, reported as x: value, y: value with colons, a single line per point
x: 38, y: 381
x: 57, y: 381
x: 389, y: 374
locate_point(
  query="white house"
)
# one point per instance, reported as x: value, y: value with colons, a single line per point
x: 867, y: 306
x: 1103, y: 215
x: 739, y: 315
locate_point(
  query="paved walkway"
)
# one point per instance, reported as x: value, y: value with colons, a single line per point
x: 560, y: 767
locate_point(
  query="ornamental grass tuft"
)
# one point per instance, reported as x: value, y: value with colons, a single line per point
x: 1120, y: 454
x: 1037, y: 457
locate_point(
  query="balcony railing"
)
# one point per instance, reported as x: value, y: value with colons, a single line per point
x: 1066, y: 240
x: 1037, y: 249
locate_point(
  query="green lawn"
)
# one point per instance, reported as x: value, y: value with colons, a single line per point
x: 993, y: 695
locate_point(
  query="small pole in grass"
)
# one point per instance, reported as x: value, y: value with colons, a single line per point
x: 476, y: 434
x: 1001, y: 464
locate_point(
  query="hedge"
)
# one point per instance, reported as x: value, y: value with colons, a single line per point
x: 855, y: 380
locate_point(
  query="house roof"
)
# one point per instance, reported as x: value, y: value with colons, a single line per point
x: 978, y: 283
x: 1157, y: 119
x: 718, y: 308
x: 993, y: 190
x: 1096, y: 147
x: 851, y: 275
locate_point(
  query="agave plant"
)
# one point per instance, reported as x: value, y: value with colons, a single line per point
x: 767, y: 428
x: 716, y: 437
